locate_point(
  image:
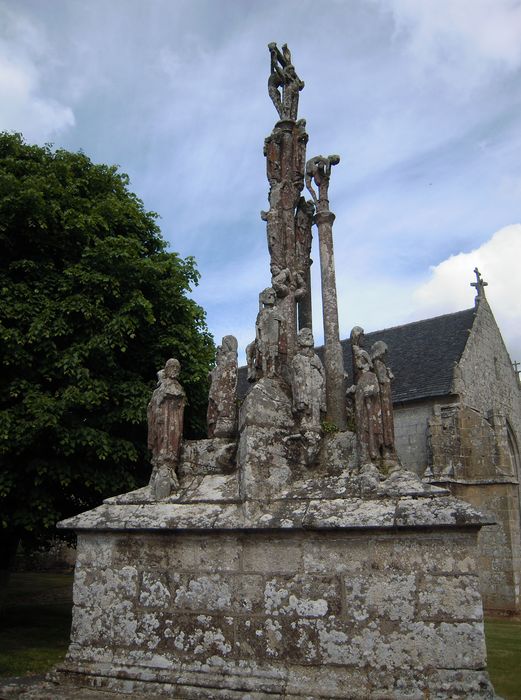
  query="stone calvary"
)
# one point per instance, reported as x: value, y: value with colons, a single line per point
x: 289, y: 554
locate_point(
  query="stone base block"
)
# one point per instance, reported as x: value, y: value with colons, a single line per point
x: 279, y: 614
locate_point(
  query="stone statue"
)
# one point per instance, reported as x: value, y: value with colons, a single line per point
x: 251, y: 357
x: 318, y: 169
x: 368, y: 407
x: 303, y: 241
x: 280, y: 280
x: 303, y: 235
x: 308, y: 385
x: 276, y: 247
x: 222, y: 399
x: 270, y: 338
x: 272, y: 152
x: 357, y: 338
x: 284, y: 84
x: 385, y: 376
x: 165, y: 429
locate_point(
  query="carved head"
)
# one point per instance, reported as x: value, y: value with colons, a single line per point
x: 378, y: 349
x: 229, y: 343
x: 305, y: 338
x: 268, y: 296
x: 172, y: 368
x: 357, y: 335
x: 363, y: 361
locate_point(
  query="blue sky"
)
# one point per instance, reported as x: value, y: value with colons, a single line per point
x: 421, y: 99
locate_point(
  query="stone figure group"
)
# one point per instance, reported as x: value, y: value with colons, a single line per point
x: 283, y: 349
x: 373, y: 408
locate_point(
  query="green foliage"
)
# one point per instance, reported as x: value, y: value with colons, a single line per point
x: 91, y: 306
x: 329, y: 427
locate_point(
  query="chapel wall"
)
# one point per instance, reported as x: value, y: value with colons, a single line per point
x: 485, y: 378
x: 498, y: 558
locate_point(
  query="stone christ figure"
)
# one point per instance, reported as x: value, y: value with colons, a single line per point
x: 222, y: 399
x: 165, y: 415
x: 284, y: 84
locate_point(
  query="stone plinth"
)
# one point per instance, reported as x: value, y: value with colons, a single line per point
x: 332, y: 597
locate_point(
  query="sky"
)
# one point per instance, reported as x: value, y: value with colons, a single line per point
x: 420, y: 98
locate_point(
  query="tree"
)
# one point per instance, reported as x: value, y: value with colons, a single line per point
x: 91, y: 306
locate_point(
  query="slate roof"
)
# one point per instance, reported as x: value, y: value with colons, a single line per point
x: 421, y: 355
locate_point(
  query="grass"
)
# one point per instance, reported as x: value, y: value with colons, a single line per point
x: 504, y: 656
x: 35, y: 626
x: 35, y: 623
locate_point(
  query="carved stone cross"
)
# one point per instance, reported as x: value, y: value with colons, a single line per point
x: 479, y: 284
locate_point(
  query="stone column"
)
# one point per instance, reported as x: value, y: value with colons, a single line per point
x: 333, y: 360
x: 285, y: 151
x: 318, y: 171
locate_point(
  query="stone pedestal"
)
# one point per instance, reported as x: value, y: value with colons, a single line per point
x: 315, y: 596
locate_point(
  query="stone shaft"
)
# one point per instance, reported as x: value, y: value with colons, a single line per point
x: 333, y: 361
x: 305, y: 317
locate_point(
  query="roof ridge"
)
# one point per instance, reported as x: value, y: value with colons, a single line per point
x: 421, y: 320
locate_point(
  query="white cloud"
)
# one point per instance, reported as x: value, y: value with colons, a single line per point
x: 475, y: 36
x: 23, y: 60
x: 498, y: 260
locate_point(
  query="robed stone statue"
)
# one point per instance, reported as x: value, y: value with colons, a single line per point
x: 165, y: 429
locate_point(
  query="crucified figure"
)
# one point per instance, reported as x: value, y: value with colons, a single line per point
x: 284, y: 84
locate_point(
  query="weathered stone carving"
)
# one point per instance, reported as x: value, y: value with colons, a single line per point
x: 368, y: 407
x: 266, y: 354
x: 309, y: 393
x: 356, y: 339
x: 385, y: 376
x: 303, y: 241
x: 222, y: 399
x: 373, y: 406
x: 287, y: 221
x: 165, y: 414
x: 479, y: 285
x: 284, y: 84
x: 318, y: 170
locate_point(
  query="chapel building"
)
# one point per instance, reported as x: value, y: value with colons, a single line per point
x: 457, y: 413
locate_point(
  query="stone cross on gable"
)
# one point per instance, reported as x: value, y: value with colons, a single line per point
x: 479, y: 284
